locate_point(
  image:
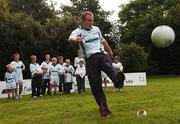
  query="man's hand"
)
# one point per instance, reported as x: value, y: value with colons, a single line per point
x: 76, y: 40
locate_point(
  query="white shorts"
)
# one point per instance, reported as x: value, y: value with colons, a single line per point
x: 19, y: 79
x: 11, y: 85
x: 54, y: 80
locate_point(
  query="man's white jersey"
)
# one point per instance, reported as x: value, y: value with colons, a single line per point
x: 18, y: 67
x: 56, y: 70
x: 34, y: 68
x: 92, y: 40
x: 47, y: 65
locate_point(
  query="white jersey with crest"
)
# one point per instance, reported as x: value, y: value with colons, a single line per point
x: 56, y: 70
x: 92, y: 40
x: 34, y: 68
x: 81, y: 71
x: 18, y: 67
x: 10, y: 79
x: 47, y: 65
x: 69, y: 71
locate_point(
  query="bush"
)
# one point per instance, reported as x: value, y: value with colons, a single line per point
x: 132, y: 56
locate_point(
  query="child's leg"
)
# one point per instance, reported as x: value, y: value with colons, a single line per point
x: 50, y: 88
x: 33, y: 87
x: 55, y: 89
x: 83, y: 84
x: 78, y: 84
x: 16, y: 90
x: 8, y: 92
x: 39, y: 85
x: 20, y: 88
x: 13, y: 93
x: 65, y: 88
x: 69, y: 87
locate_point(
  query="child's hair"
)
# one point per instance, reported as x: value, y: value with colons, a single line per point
x: 8, y: 66
x: 15, y: 54
x: 54, y: 59
x: 116, y: 58
x: 81, y: 61
x: 60, y: 57
x: 47, y: 55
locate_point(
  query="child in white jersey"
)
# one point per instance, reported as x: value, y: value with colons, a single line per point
x: 68, y: 76
x: 54, y: 71
x: 45, y: 67
x: 61, y: 83
x: 18, y: 67
x: 80, y: 76
x: 10, y: 78
x: 120, y: 74
x: 36, y: 75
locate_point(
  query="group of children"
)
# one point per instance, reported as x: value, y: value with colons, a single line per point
x: 50, y: 75
x: 54, y: 74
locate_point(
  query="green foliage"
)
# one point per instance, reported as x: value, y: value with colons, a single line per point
x: 139, y: 18
x: 4, y: 10
x: 38, y: 9
x: 58, y: 31
x: 132, y: 56
x: 79, y: 6
x: 34, y: 27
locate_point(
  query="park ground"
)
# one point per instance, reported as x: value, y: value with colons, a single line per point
x: 160, y: 98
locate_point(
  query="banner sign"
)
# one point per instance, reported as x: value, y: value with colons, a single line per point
x: 131, y: 79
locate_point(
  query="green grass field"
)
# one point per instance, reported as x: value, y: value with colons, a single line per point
x: 160, y: 98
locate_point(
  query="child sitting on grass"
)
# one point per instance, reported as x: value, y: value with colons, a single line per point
x: 10, y: 78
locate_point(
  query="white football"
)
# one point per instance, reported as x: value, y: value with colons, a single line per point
x: 163, y: 36
x: 141, y: 113
x: 72, y: 91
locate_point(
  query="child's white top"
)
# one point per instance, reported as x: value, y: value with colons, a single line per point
x: 69, y: 71
x: 10, y: 77
x: 118, y: 66
x: 34, y: 68
x: 46, y: 64
x: 56, y: 70
x: 81, y: 70
x: 18, y: 67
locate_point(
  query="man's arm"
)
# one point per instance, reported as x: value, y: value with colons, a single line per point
x: 75, y: 40
x: 107, y: 48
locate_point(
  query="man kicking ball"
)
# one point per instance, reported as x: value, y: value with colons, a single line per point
x: 98, y: 56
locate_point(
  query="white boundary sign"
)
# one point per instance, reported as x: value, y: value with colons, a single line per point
x: 131, y: 79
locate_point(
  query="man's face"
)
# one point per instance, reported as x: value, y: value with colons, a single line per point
x: 88, y: 21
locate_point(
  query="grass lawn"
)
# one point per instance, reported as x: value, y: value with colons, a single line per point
x: 160, y: 98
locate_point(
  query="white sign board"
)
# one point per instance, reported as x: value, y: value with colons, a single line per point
x: 131, y: 79
x: 135, y: 79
